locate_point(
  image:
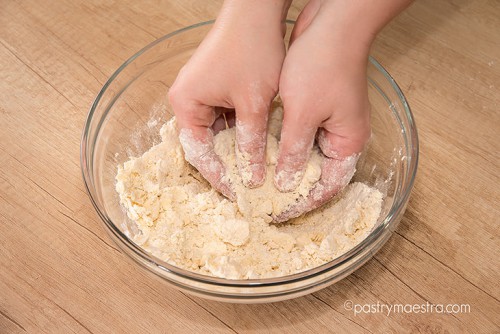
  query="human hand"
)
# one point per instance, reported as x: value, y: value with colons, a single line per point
x: 236, y: 67
x: 323, y: 87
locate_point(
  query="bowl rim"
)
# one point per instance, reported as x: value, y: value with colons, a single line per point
x: 388, y: 223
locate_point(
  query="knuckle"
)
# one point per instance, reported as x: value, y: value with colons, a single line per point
x: 256, y: 107
x: 360, y: 137
x: 258, y: 98
x: 176, y: 97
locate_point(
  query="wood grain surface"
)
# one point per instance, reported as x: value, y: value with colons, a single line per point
x: 59, y: 271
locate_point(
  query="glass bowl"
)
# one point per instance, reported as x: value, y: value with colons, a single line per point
x: 125, y: 120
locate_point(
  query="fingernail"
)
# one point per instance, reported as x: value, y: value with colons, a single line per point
x: 287, y: 181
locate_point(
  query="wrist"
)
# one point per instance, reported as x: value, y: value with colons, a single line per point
x: 357, y: 23
x: 347, y: 27
x: 275, y: 10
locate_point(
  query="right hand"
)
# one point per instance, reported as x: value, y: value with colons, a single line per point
x: 324, y: 90
x: 236, y: 67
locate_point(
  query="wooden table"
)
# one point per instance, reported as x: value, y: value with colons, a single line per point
x: 59, y: 271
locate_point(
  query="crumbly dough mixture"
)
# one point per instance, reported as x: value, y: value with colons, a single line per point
x: 265, y: 201
x: 183, y: 221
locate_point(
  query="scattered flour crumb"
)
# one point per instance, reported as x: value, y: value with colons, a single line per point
x: 233, y: 231
x: 186, y: 223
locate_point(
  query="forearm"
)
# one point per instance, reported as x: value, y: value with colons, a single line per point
x: 275, y: 10
x: 357, y: 22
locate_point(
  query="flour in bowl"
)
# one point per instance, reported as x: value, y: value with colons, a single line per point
x: 186, y: 223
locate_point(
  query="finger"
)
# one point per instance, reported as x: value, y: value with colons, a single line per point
x: 305, y: 18
x: 297, y: 139
x: 335, y: 175
x: 198, y: 146
x: 196, y: 137
x: 349, y: 136
x: 251, y: 135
